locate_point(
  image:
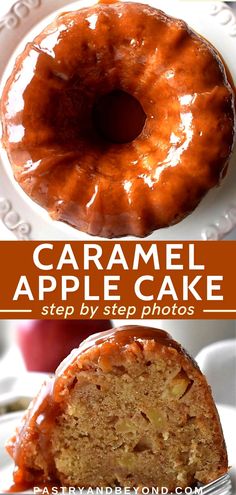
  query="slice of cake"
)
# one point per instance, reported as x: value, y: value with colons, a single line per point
x: 129, y: 407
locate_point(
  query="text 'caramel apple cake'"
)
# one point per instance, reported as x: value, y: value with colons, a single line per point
x: 128, y: 408
x: 118, y: 119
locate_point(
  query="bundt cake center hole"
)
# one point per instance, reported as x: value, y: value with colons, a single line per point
x: 118, y: 117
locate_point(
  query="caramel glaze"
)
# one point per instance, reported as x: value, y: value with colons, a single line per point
x: 48, y: 405
x: 100, y: 187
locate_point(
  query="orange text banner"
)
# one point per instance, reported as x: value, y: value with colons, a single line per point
x: 144, y: 280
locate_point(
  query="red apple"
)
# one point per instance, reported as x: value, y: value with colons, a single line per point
x: 45, y: 343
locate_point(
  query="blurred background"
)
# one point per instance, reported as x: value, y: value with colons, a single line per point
x: 30, y: 349
x: 40, y: 345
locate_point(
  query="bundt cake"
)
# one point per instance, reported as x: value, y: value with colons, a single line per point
x: 130, y: 408
x: 118, y: 119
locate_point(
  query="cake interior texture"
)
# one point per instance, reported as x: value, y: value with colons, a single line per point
x: 140, y: 422
x: 140, y: 414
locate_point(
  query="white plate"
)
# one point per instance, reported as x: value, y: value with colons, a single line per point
x: 215, y: 216
x: 214, y: 358
x: 10, y: 421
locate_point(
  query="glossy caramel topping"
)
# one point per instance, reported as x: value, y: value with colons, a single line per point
x: 38, y: 423
x: 120, y: 336
x: 83, y: 176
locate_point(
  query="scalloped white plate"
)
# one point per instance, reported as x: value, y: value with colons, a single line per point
x: 21, y: 217
x: 9, y: 422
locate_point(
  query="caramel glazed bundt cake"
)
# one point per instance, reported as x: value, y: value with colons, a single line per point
x: 118, y: 119
x: 130, y: 408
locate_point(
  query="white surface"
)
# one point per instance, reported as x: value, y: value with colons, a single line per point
x: 12, y: 362
x: 217, y: 212
x: 218, y: 362
x: 24, y: 385
x: 9, y: 422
